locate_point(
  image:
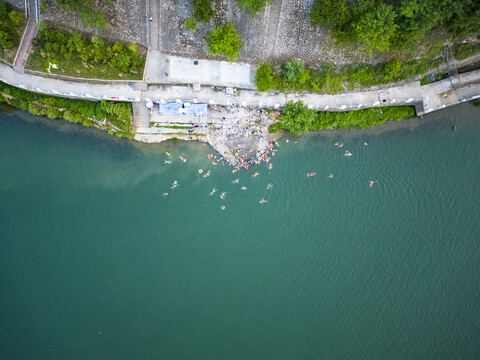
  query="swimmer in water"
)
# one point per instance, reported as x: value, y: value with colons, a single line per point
x: 165, y: 194
x: 269, y: 186
x: 235, y: 181
x: 222, y: 196
x: 175, y: 184
x: 330, y: 176
x: 348, y: 153
x: 244, y: 188
x: 167, y: 162
x: 262, y: 201
x: 365, y: 143
x: 166, y: 152
x: 311, y: 174
x: 213, y: 191
x: 222, y: 207
x: 256, y: 174
x: 371, y: 183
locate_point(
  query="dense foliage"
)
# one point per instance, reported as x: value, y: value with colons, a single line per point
x: 297, y: 118
x: 90, y: 14
x: 81, y: 57
x: 203, y: 10
x: 381, y: 24
x: 10, y: 31
x: 255, y: 6
x: 118, y: 114
x: 224, y: 40
x: 326, y: 79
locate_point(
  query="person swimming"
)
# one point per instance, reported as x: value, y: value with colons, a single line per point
x: 330, y: 176
x: 269, y: 186
x: 166, y: 152
x: 165, y: 194
x: 222, y: 195
x: 256, y: 174
x: 182, y: 158
x: 167, y: 162
x: 235, y: 181
x: 207, y: 174
x: 175, y: 184
x: 348, y: 153
x: 222, y: 207
x: 213, y: 191
x: 262, y: 201
x: 311, y: 174
x: 243, y: 188
x: 371, y: 183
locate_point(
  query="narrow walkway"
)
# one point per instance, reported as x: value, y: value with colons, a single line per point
x: 26, y: 45
x: 141, y: 118
x: 273, y: 22
x: 154, y: 13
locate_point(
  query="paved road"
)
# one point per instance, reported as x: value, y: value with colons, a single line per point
x: 405, y: 94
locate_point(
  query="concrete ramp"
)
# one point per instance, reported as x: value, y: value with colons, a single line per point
x: 25, y: 45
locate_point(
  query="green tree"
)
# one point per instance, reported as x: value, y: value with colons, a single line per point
x: 254, y: 6
x: 224, y: 40
x: 296, y: 117
x: 391, y: 68
x: 294, y: 72
x: 334, y: 14
x: 264, y: 78
x: 377, y: 28
x: 5, y: 40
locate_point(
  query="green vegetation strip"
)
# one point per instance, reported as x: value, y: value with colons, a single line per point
x: 297, y: 118
x: 11, y: 31
x: 113, y: 116
x: 293, y: 75
x: 81, y: 57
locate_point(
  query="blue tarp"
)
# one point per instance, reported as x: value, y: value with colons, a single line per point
x: 183, y: 109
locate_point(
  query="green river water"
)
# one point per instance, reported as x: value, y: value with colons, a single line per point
x: 95, y: 263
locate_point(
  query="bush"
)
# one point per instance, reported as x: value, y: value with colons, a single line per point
x: 54, y: 113
x: 191, y: 24
x: 15, y: 18
x: 254, y: 6
x: 264, y: 78
x: 463, y: 51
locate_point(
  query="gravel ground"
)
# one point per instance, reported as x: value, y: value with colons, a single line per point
x: 19, y: 4
x: 178, y: 39
x: 126, y: 20
x: 295, y: 38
